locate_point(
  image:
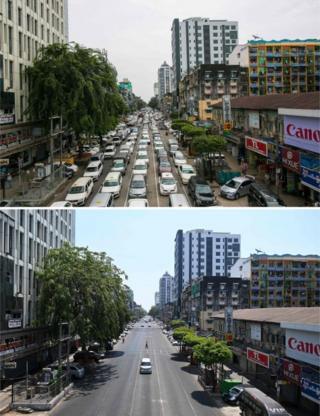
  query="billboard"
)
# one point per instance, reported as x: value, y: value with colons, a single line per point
x: 303, y: 346
x: 302, y: 132
x: 257, y: 146
x: 258, y: 357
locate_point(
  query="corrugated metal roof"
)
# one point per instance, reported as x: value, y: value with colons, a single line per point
x: 303, y: 101
x: 276, y: 315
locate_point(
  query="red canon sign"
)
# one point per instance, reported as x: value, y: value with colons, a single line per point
x: 305, y: 347
x: 257, y: 146
x: 291, y: 371
x: 301, y: 133
x: 258, y: 357
x: 291, y: 159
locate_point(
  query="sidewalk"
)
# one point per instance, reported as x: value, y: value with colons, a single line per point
x: 289, y: 200
x: 5, y: 400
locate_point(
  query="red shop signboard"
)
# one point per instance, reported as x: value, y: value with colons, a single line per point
x: 258, y: 357
x: 257, y: 146
x: 291, y: 159
x: 291, y: 371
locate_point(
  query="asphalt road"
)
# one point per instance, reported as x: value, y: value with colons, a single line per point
x: 118, y: 389
x: 153, y: 194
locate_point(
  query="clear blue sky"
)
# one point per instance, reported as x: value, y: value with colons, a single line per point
x: 141, y: 242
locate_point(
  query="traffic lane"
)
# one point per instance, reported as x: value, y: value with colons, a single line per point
x: 103, y: 392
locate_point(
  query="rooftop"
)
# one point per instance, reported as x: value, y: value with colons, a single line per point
x: 302, y: 101
x: 263, y: 41
x: 302, y: 315
x: 297, y: 257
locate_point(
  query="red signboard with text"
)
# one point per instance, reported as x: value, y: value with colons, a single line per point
x: 291, y: 159
x: 258, y: 357
x: 291, y: 371
x: 257, y: 146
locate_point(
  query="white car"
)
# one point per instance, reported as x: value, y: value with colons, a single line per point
x: 94, y: 170
x: 143, y: 155
x: 80, y: 191
x: 179, y: 159
x: 71, y: 166
x: 140, y: 167
x: 138, y: 203
x: 145, y: 366
x: 112, y: 183
x: 167, y: 184
x: 185, y: 172
x: 142, y: 147
x: 110, y: 151
x: 61, y: 204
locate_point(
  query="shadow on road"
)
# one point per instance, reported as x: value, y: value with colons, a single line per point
x: 204, y: 399
x: 93, y: 380
x: 114, y: 354
x: 177, y: 356
x: 191, y: 369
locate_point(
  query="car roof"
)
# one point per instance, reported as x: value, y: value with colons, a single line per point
x: 94, y: 164
x: 186, y: 165
x: 112, y: 175
x: 140, y: 162
x: 146, y: 360
x: 167, y: 175
x: 199, y: 180
x: 118, y: 160
x: 138, y: 178
x: 81, y: 181
x: 140, y: 202
x: 239, y: 179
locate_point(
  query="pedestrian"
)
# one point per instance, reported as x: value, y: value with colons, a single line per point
x: 244, y: 168
x: 123, y: 340
x: 9, y: 181
x: 146, y: 345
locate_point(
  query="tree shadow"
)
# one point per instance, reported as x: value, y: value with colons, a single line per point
x: 204, y: 399
x: 177, y: 356
x: 93, y: 380
x: 113, y: 354
x: 191, y: 369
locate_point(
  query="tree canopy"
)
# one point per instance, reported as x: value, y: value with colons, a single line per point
x: 204, y: 145
x: 77, y: 83
x: 177, y: 323
x: 84, y: 288
x: 154, y: 103
x: 211, y: 352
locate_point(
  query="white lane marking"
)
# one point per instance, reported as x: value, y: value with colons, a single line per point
x: 155, y: 173
x: 134, y: 388
x: 158, y: 379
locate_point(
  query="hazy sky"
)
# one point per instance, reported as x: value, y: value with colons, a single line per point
x: 137, y: 33
x: 141, y: 242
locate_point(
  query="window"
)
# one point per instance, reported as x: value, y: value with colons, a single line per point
x: 9, y: 9
x: 11, y: 74
x: 19, y: 16
x: 10, y: 40
x: 20, y: 45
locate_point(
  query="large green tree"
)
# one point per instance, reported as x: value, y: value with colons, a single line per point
x: 84, y: 288
x: 77, y: 83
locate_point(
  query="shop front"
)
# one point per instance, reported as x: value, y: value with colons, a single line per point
x: 302, y: 135
x: 290, y: 170
x: 299, y: 378
x: 262, y: 156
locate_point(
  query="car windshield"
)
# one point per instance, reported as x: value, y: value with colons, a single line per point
x: 168, y: 181
x: 138, y: 184
x: 110, y: 183
x: 187, y: 170
x: 177, y: 156
x: 140, y: 167
x: 76, y: 190
x: 232, y: 184
x: 92, y: 169
x: 165, y: 164
x: 204, y: 189
x: 142, y: 157
x: 118, y: 165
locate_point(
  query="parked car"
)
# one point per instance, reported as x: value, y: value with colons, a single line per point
x: 138, y: 187
x: 167, y: 184
x: 97, y: 157
x: 76, y: 370
x: 80, y: 191
x: 236, y: 187
x: 200, y: 192
x: 185, y: 172
x: 145, y: 366
x: 61, y: 204
x: 86, y: 356
x: 232, y: 396
x: 260, y: 196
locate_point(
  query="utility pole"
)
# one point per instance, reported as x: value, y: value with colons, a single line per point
x: 53, y: 134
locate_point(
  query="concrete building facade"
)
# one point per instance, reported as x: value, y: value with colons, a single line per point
x: 165, y: 80
x: 197, y: 40
x: 165, y: 289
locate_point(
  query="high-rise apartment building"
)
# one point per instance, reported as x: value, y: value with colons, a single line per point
x: 26, y: 236
x: 284, y: 281
x: 165, y: 79
x: 280, y: 67
x: 203, y: 253
x: 165, y: 289
x: 25, y: 26
x: 198, y: 41
x: 157, y: 298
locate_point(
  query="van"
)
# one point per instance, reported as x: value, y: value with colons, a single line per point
x: 94, y: 170
x: 178, y: 201
x: 102, y: 200
x: 80, y: 191
x: 112, y: 183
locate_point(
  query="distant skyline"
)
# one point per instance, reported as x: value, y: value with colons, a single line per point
x: 137, y: 33
x: 141, y: 242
